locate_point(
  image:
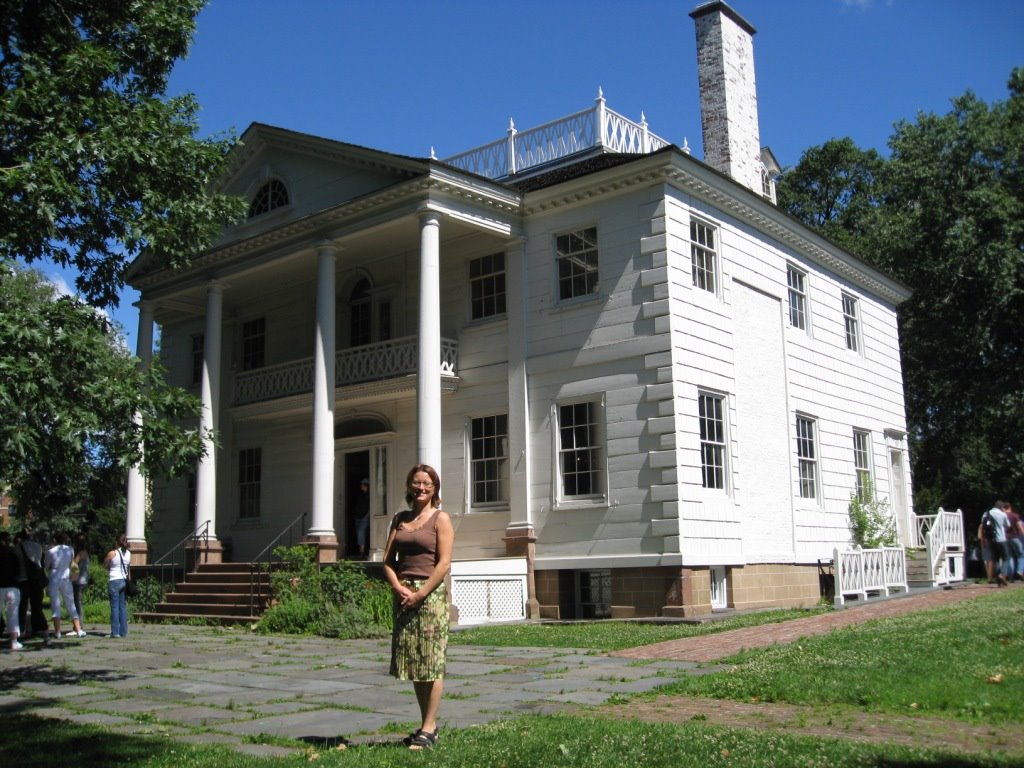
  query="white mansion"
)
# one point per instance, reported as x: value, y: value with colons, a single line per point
x: 648, y: 391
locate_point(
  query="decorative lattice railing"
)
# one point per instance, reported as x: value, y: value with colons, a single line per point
x: 942, y: 536
x: 598, y: 127
x: 371, y: 362
x: 860, y: 571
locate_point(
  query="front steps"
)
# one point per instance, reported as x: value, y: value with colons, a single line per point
x: 216, y: 594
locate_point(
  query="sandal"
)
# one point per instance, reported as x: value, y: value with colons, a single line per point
x: 408, y: 739
x: 423, y: 740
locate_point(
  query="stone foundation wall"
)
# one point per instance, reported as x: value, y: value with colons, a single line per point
x: 773, y: 586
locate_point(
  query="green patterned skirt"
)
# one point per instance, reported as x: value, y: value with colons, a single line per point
x: 419, y: 640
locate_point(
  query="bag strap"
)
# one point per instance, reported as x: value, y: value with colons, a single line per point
x: 124, y: 568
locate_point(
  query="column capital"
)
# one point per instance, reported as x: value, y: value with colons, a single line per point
x: 428, y: 214
x: 327, y: 247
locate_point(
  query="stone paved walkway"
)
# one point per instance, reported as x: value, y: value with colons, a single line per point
x: 202, y: 684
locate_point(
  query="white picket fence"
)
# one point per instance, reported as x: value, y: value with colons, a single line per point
x: 859, y: 572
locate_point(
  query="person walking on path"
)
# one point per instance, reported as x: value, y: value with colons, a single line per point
x: 992, y: 532
x: 417, y: 558
x: 1015, y: 544
x: 117, y: 562
x: 10, y: 595
x: 31, y: 580
x: 58, y: 562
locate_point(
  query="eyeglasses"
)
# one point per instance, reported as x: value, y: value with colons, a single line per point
x: 424, y: 486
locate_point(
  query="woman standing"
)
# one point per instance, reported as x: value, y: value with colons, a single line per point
x: 81, y: 565
x: 117, y: 562
x: 58, y: 563
x: 417, y: 557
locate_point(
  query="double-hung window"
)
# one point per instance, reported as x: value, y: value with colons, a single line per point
x: 704, y: 255
x: 488, y: 451
x: 581, y: 454
x: 250, y: 470
x: 862, y: 461
x: 577, y: 263
x: 487, y: 286
x: 807, y: 457
x: 712, y: 440
x: 254, y: 337
x: 797, y: 280
x: 850, y: 320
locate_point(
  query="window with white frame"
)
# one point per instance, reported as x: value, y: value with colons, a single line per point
x: 487, y: 286
x: 580, y: 450
x: 577, y: 263
x: 711, y: 409
x: 797, y: 280
x: 273, y: 194
x: 704, y: 255
x: 851, y: 322
x: 862, y: 460
x: 250, y: 470
x: 254, y: 337
x: 807, y: 457
x: 489, y: 468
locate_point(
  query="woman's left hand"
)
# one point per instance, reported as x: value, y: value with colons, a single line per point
x: 412, y: 600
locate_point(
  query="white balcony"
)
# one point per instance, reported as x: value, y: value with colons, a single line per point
x: 391, y: 359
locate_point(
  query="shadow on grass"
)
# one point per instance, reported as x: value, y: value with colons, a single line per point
x: 30, y: 740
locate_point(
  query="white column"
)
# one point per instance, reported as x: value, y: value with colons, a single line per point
x: 323, y: 396
x: 135, y: 525
x: 428, y: 378
x: 206, y: 474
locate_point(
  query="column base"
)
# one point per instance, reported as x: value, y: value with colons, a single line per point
x: 326, y: 547
x: 212, y: 551
x: 139, y: 550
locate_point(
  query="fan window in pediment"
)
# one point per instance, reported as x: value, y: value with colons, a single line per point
x: 273, y: 194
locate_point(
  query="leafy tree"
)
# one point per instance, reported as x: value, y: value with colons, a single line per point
x: 69, y: 395
x: 96, y: 166
x: 948, y: 220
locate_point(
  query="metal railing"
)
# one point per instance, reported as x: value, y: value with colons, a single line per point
x: 200, y: 537
x: 860, y: 571
x: 261, y: 566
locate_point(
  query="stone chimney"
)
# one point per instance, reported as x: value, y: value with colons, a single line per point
x: 728, y: 97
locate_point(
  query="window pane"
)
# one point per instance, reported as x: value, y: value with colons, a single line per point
x: 702, y: 255
x: 581, y: 459
x: 806, y: 458
x: 577, y: 263
x: 489, y: 459
x: 712, y: 440
x: 797, y: 298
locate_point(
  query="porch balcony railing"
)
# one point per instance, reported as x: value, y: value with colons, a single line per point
x: 597, y: 127
x: 942, y: 537
x: 860, y: 571
x: 371, y: 362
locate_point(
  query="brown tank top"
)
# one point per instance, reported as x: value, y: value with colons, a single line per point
x: 416, y: 551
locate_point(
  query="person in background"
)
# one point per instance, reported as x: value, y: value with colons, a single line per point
x: 1015, y: 544
x: 361, y: 512
x: 417, y: 558
x: 10, y: 595
x: 81, y: 565
x: 58, y: 562
x: 31, y: 580
x: 117, y: 562
x: 992, y: 532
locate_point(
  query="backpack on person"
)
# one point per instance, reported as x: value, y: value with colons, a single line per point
x: 988, y: 527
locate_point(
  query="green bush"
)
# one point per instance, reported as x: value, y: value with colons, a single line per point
x: 338, y: 600
x: 871, y: 523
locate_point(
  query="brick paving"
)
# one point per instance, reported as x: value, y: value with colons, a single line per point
x: 722, y: 644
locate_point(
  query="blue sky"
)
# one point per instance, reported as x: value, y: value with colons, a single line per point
x: 407, y: 75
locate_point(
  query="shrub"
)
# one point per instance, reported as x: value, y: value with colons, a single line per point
x: 338, y: 600
x: 871, y: 523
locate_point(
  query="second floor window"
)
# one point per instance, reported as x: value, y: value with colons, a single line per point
x: 487, y: 286
x: 850, y: 321
x: 197, y: 357
x: 273, y: 194
x: 712, y: 440
x: 488, y: 449
x: 250, y: 469
x: 703, y: 255
x: 577, y: 263
x: 797, y: 280
x: 580, y: 451
x: 254, y: 336
x: 807, y: 457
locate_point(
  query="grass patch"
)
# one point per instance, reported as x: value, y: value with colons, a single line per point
x: 614, y: 635
x: 964, y: 661
x: 525, y: 742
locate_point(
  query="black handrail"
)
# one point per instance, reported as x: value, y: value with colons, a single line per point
x: 199, y: 533
x: 263, y: 562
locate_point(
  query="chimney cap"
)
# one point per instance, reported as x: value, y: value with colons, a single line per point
x: 722, y: 7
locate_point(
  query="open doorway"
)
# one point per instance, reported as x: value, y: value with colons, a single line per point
x: 355, y: 505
